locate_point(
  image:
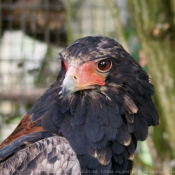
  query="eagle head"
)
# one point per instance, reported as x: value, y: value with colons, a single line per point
x: 99, y: 63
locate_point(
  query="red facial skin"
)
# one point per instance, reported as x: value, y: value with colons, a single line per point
x: 86, y: 75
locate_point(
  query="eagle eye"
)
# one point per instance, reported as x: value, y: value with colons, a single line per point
x: 104, y: 65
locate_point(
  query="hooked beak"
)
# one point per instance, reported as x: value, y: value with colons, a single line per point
x: 80, y: 78
x: 69, y: 86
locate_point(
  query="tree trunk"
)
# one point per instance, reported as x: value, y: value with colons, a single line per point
x: 155, y: 25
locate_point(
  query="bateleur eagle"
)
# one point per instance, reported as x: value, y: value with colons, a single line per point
x: 91, y: 117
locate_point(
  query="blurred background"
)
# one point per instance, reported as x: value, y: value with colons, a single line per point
x: 33, y: 32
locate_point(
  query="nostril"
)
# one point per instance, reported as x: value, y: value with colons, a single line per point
x: 75, y: 78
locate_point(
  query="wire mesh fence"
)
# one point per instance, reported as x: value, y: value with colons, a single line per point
x: 31, y: 34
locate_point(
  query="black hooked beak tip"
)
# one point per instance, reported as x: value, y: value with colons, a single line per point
x: 69, y: 86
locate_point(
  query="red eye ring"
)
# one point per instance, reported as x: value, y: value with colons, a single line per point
x: 104, y: 65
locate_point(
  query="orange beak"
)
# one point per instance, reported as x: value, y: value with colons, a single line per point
x: 80, y: 78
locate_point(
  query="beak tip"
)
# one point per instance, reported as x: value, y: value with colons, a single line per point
x: 65, y: 93
x: 69, y: 86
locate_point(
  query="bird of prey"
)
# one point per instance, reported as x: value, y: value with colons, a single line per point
x: 91, y: 117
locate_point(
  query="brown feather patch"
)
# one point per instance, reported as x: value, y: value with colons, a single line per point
x: 102, y: 157
x: 131, y: 157
x: 127, y: 142
x: 130, y: 105
x: 129, y: 117
x: 25, y: 127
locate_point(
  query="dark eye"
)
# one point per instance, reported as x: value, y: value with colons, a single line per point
x: 104, y: 65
